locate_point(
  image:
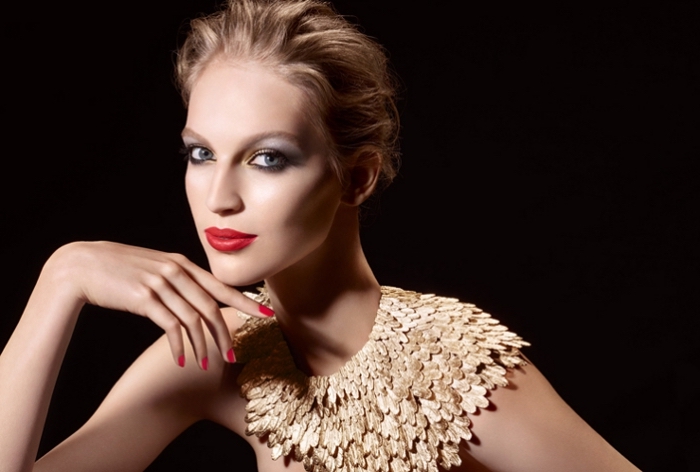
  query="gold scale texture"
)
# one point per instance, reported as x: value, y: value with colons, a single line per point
x: 400, y: 404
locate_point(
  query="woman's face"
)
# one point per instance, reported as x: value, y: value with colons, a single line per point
x: 258, y: 181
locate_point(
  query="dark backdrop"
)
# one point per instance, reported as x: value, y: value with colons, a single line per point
x: 549, y: 175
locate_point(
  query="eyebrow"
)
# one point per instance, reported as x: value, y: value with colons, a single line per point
x: 256, y: 138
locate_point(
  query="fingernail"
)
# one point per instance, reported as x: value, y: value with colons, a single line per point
x: 266, y: 311
x: 205, y: 363
x: 231, y: 356
x: 181, y: 360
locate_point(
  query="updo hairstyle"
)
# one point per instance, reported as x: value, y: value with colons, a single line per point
x: 343, y: 72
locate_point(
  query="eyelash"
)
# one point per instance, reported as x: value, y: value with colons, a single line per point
x: 187, y: 150
x: 284, y: 162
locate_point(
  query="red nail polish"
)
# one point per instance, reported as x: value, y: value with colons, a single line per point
x: 231, y: 356
x: 266, y: 311
x: 181, y: 360
x: 205, y: 363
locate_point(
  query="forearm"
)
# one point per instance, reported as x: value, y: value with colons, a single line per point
x: 29, y: 366
x: 167, y: 288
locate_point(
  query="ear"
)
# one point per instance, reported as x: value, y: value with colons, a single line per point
x: 362, y: 179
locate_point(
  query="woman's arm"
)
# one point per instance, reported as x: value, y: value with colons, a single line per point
x: 29, y: 366
x: 167, y: 288
x: 151, y: 404
x: 529, y: 428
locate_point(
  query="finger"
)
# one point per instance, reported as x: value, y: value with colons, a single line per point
x: 210, y: 314
x: 224, y: 344
x: 244, y: 303
x: 162, y: 317
x: 196, y: 297
x: 224, y: 293
x: 189, y: 318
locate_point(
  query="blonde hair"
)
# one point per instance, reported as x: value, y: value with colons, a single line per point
x: 343, y: 72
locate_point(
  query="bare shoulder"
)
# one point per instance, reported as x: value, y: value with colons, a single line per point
x: 528, y: 427
x: 185, y: 390
x: 151, y: 404
x: 225, y: 405
x: 217, y: 389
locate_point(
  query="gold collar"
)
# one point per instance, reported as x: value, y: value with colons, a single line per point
x: 399, y: 404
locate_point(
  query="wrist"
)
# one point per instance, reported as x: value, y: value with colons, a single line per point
x: 61, y: 275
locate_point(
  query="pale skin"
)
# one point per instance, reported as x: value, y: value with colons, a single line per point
x: 259, y: 167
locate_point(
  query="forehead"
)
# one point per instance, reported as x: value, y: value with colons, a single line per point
x: 234, y: 100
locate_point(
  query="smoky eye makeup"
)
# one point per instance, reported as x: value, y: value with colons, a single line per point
x: 196, y: 153
x: 276, y: 153
x: 269, y: 160
x: 271, y: 152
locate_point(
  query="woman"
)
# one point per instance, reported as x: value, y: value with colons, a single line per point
x: 290, y: 128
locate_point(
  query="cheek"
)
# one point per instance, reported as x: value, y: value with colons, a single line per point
x: 195, y: 190
x: 314, y: 209
x: 310, y: 224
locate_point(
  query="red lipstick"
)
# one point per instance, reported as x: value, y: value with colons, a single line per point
x: 227, y: 239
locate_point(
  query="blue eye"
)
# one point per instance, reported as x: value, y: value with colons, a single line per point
x: 268, y: 159
x: 198, y: 154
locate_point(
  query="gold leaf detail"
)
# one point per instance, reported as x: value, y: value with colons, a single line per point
x: 400, y: 404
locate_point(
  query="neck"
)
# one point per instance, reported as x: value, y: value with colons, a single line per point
x: 326, y: 304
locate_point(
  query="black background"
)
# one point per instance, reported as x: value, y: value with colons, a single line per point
x: 550, y: 175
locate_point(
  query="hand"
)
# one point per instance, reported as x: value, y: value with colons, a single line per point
x: 167, y: 288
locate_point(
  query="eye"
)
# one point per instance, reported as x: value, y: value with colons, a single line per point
x: 198, y: 154
x: 268, y: 159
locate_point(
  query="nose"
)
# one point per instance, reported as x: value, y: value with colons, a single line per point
x: 224, y: 196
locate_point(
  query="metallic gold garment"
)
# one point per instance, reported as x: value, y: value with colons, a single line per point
x: 399, y: 404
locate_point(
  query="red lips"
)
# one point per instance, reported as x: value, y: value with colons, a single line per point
x: 228, y: 240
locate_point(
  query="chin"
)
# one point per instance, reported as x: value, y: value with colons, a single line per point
x: 235, y: 270
x: 236, y: 277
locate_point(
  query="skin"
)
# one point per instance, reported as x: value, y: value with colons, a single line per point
x: 242, y: 120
